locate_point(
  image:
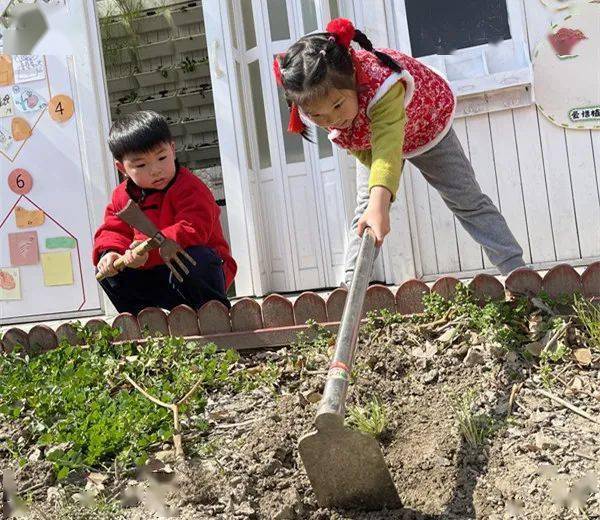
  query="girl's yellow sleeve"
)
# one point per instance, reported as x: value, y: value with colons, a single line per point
x: 388, y: 119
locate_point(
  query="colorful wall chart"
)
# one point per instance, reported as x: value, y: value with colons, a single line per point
x: 566, y: 69
x: 45, y: 231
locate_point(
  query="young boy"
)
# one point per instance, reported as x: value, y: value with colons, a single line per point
x: 179, y: 204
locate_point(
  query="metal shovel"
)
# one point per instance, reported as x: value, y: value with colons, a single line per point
x: 345, y: 467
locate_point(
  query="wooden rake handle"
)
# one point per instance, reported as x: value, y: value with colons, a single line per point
x: 140, y: 249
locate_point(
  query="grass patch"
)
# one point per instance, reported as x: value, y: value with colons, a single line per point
x: 76, y: 405
x: 370, y: 419
x: 474, y: 427
x: 589, y: 316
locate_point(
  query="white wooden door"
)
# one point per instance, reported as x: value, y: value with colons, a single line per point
x: 294, y: 211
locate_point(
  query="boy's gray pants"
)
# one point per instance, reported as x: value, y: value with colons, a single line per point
x: 448, y: 170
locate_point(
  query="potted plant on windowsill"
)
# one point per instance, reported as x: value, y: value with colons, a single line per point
x: 156, y: 49
x: 127, y: 104
x: 195, y: 42
x: 188, y: 14
x: 122, y: 83
x: 193, y: 68
x: 159, y: 76
x: 150, y: 21
x: 199, y: 125
x: 202, y: 151
x: 164, y: 101
x: 175, y: 126
x: 198, y: 96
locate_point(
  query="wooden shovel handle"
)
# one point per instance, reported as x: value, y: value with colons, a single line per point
x: 140, y: 249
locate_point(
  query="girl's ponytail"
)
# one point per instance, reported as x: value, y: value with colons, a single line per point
x: 386, y: 59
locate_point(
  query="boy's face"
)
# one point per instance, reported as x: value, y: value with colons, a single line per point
x: 336, y: 110
x: 153, y: 169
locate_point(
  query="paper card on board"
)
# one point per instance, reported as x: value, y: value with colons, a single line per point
x: 27, y: 218
x: 7, y: 76
x: 28, y: 67
x: 58, y: 269
x: 27, y: 99
x: 6, y: 103
x: 10, y: 284
x: 23, y: 248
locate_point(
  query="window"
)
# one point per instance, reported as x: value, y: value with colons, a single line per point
x: 479, y: 45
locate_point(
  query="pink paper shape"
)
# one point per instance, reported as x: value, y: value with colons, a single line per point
x: 23, y: 248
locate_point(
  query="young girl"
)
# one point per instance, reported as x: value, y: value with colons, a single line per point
x: 383, y: 107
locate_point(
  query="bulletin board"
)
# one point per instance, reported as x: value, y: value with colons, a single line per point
x: 45, y: 226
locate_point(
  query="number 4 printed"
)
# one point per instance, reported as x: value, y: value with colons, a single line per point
x: 61, y: 108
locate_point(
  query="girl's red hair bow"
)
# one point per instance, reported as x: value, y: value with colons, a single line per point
x: 342, y: 29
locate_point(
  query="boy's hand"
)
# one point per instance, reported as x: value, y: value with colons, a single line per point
x: 132, y: 259
x: 106, y: 265
x: 377, y: 214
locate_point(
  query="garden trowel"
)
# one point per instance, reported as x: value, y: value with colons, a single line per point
x: 169, y: 250
x: 345, y: 467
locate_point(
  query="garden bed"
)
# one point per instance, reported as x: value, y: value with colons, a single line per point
x: 463, y: 399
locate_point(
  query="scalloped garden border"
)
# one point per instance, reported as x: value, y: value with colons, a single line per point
x: 277, y: 321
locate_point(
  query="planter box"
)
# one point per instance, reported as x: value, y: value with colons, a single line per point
x: 177, y: 129
x: 204, y: 152
x: 196, y: 99
x: 181, y: 154
x: 188, y: 15
x: 115, y: 57
x: 154, y: 22
x: 190, y: 43
x: 157, y: 77
x: 112, y: 30
x: 162, y: 104
x: 122, y: 84
x: 127, y: 108
x: 156, y: 50
x: 198, y: 126
x: 202, y: 70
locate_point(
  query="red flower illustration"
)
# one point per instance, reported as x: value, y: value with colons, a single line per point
x: 564, y: 40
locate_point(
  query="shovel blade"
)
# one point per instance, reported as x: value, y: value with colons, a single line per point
x: 347, y: 470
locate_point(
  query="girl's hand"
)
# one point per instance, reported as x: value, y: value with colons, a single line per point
x: 106, y: 265
x: 133, y: 260
x: 377, y: 214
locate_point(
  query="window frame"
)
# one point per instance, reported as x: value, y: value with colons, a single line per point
x: 518, y: 75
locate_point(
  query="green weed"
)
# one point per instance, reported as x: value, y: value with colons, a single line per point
x: 370, y: 419
x: 474, y: 428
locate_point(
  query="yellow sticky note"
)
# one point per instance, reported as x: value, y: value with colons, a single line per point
x: 57, y: 268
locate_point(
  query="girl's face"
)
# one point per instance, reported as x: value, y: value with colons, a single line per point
x: 335, y: 110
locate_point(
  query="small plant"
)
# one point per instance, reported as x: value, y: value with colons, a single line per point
x: 370, y: 419
x: 589, y: 315
x: 164, y: 71
x: 474, y: 428
x: 188, y: 64
x: 129, y: 98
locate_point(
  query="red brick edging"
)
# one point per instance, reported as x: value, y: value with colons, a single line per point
x: 276, y: 321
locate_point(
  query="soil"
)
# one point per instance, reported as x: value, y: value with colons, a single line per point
x: 540, y: 461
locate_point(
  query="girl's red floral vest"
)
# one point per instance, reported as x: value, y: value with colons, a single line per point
x: 429, y: 102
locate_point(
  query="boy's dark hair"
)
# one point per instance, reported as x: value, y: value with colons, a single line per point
x: 141, y: 131
x: 317, y: 62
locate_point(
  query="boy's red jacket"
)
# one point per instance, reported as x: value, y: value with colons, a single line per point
x: 185, y: 211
